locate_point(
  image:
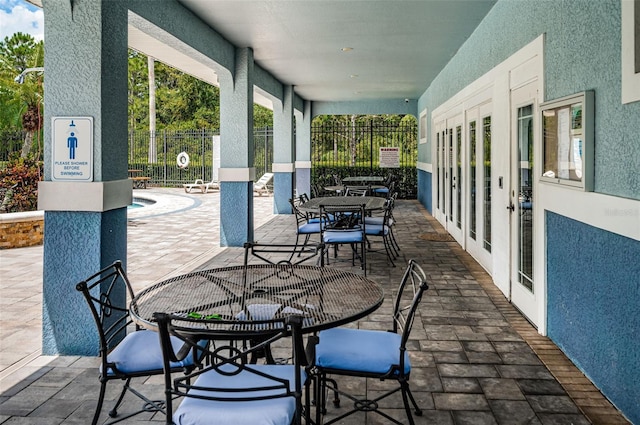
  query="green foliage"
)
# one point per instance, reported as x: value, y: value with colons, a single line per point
x: 19, y: 184
x: 406, y: 177
x: 183, y: 102
x: 17, y: 53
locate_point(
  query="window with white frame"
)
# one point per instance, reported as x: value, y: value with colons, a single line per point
x: 630, y: 50
x: 423, y: 127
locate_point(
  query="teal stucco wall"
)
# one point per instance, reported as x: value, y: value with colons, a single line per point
x: 592, y: 276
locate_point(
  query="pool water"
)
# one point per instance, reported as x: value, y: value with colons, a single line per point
x: 140, y: 202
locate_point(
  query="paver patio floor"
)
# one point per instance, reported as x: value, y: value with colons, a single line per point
x: 475, y: 359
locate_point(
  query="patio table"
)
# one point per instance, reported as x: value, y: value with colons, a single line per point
x: 325, y: 297
x: 371, y: 203
x: 362, y: 179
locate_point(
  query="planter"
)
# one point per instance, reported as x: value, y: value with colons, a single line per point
x: 19, y: 230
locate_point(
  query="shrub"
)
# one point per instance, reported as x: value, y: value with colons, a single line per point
x: 19, y: 184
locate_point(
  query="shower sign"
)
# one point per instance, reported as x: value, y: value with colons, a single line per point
x: 72, y: 149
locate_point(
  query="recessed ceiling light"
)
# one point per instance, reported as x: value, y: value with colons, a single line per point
x: 354, y: 75
x: 347, y: 49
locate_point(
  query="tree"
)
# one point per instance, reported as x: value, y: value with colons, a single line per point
x: 24, y: 99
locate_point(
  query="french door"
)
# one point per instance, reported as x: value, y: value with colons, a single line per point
x: 523, y: 289
x: 477, y: 189
x: 454, y: 182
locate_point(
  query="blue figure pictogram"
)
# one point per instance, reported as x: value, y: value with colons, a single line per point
x: 72, y: 144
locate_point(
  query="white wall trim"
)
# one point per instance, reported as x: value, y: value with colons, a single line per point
x: 611, y: 213
x: 282, y: 167
x: 424, y: 166
x: 237, y: 174
x: 85, y: 196
x: 303, y: 164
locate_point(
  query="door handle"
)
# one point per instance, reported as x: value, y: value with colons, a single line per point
x: 511, y: 207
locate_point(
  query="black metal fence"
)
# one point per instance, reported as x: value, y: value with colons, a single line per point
x: 353, y: 149
x: 156, y: 154
x: 345, y: 150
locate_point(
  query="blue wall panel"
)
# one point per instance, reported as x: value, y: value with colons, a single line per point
x: 593, y: 284
x: 424, y: 190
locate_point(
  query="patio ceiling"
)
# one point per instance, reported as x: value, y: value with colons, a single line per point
x: 330, y: 50
x: 398, y: 46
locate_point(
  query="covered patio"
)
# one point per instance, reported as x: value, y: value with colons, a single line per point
x: 475, y: 358
x: 477, y: 74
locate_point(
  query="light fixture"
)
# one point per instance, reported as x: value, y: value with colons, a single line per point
x: 354, y: 75
x: 347, y: 49
x: 20, y: 78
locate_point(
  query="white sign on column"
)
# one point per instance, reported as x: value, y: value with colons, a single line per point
x: 72, y: 156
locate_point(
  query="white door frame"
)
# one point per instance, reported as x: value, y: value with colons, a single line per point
x: 523, y: 299
x: 455, y: 181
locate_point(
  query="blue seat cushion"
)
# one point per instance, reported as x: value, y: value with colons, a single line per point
x: 141, y: 351
x: 360, y: 350
x: 276, y: 411
x: 342, y: 236
x: 309, y: 228
x: 377, y: 230
x: 377, y: 220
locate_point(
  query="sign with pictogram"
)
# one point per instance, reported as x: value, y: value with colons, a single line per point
x: 72, y: 149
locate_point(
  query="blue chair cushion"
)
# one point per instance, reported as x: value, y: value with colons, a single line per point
x: 377, y: 230
x: 140, y: 351
x: 377, y: 220
x: 381, y: 190
x: 277, y: 411
x: 309, y: 228
x: 360, y: 350
x: 343, y: 236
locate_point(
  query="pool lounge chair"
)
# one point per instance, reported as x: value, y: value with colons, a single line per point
x: 264, y: 185
x: 199, y: 183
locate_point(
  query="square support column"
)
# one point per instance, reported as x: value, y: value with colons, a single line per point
x: 303, y: 150
x: 86, y: 72
x: 236, y: 172
x: 283, y: 153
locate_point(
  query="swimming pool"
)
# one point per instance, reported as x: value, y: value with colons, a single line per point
x: 140, y: 203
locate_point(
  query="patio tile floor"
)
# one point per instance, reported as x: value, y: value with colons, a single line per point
x: 475, y: 358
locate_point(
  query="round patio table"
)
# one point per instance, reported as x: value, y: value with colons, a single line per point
x: 241, y: 296
x: 371, y: 203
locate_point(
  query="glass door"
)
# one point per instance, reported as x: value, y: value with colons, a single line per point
x: 454, y: 154
x: 476, y: 184
x: 523, y: 290
x: 440, y: 172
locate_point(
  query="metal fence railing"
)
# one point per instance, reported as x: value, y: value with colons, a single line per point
x: 345, y: 150
x: 353, y: 149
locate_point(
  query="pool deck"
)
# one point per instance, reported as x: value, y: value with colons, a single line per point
x: 475, y: 359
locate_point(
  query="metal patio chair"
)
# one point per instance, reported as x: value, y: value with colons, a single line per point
x: 124, y: 355
x: 371, y: 354
x: 228, y: 390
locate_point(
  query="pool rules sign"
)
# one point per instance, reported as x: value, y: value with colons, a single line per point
x: 72, y: 151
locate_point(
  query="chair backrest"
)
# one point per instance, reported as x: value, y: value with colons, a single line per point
x: 342, y: 218
x: 227, y: 357
x: 281, y: 253
x: 356, y: 190
x: 301, y: 217
x: 264, y: 181
x: 106, y: 294
x: 410, y: 290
